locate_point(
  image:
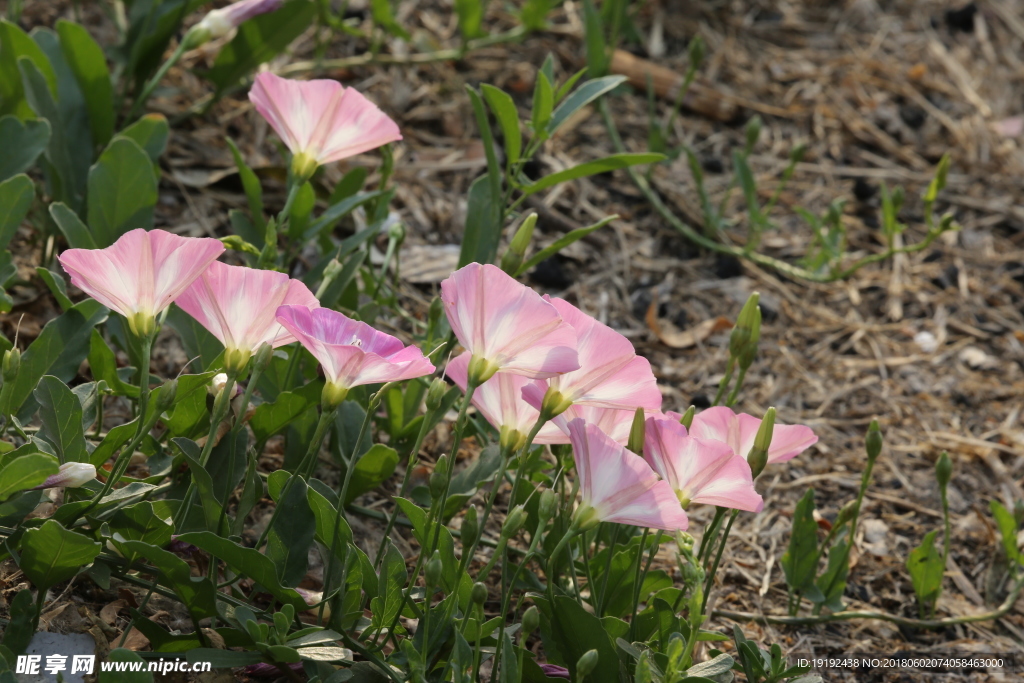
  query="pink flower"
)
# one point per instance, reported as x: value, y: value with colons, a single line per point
x: 738, y: 430
x: 218, y: 22
x: 618, y: 486
x: 611, y: 375
x: 499, y: 401
x: 616, y: 424
x: 239, y: 305
x: 505, y: 325
x: 141, y: 273
x: 699, y: 470
x: 320, y: 121
x: 351, y: 353
x: 71, y: 475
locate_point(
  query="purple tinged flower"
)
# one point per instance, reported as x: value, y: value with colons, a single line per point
x: 555, y: 671
x: 69, y: 475
x: 217, y: 23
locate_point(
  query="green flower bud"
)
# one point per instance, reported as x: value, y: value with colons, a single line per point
x: 478, y: 594
x: 749, y: 352
x: 531, y: 620
x: 845, y: 513
x: 435, y: 394
x: 685, y: 542
x: 749, y: 317
x: 753, y: 132
x: 437, y: 483
x: 263, y: 357
x: 548, y: 505
x: 514, y: 522
x: 470, y: 527
x: 513, y: 257
x: 12, y: 363
x: 586, y: 664
x: 763, y: 440
x: 636, y: 432
x: 396, y: 231
x: 165, y: 397
x: 943, y: 470
x: 873, y: 441
x: 687, y: 418
x: 434, y: 569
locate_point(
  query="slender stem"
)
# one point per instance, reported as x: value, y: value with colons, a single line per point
x: 460, y: 425
x: 599, y: 609
x: 636, y: 583
x: 147, y: 350
x: 947, y: 537
x: 562, y: 542
x: 467, y: 553
x: 710, y: 534
x: 736, y: 389
x: 718, y: 559
x: 154, y: 81
x: 724, y: 384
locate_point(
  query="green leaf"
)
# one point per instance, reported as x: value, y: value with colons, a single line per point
x: 203, y: 481
x: 115, y: 438
x: 597, y: 48
x: 122, y: 191
x: 581, y: 97
x: 258, y: 41
x: 589, y: 168
x: 26, y: 472
x: 16, y: 195
x: 198, y: 594
x: 1007, y: 530
x: 340, y: 209
x: 271, y: 418
x: 89, y: 65
x: 51, y: 554
x: 302, y: 207
x: 374, y: 468
x: 150, y: 133
x: 504, y: 108
x: 562, y: 242
x: 483, y: 230
x: 534, y: 13
x: 55, y: 283
x: 62, y: 170
x: 103, y: 365
x: 24, y: 141
x: 926, y: 567
x: 19, y: 631
x: 61, y: 415
x: 247, y: 561
x: 58, y: 350
x: 543, y: 103
x: 571, y: 631
x: 800, y: 561
x: 142, y: 522
x: 390, y: 582
x: 71, y: 226
x: 325, y: 513
x: 471, y: 14
x: 15, y: 44
x: 830, y: 586
x: 252, y: 187
x: 383, y: 17
x: 292, y: 533
x: 122, y: 655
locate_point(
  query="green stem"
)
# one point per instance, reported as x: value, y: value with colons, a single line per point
x: 441, y: 503
x: 718, y: 558
x: 467, y: 553
x: 707, y: 541
x: 947, y: 537
x: 636, y: 583
x: 724, y: 384
x: 147, y: 350
x: 153, y: 82
x: 731, y: 401
x: 553, y: 558
x: 599, y: 609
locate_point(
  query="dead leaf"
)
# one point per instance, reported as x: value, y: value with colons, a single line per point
x: 686, y: 338
x: 136, y: 641
x: 109, y: 612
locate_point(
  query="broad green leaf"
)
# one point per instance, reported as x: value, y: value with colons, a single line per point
x: 122, y: 655
x: 390, y: 582
x: 152, y: 24
x: 203, y: 481
x: 103, y: 365
x: 122, y: 191
x: 16, y: 195
x: 471, y: 14
x: 58, y: 350
x: 562, y: 242
x: 325, y: 513
x: 198, y: 594
x: 23, y: 142
x: 302, y: 207
x: 14, y: 509
x: 89, y: 65
x: 347, y: 425
x: 504, y: 108
x: 189, y: 408
x: 581, y: 97
x: 271, y: 418
x: 483, y: 230
x: 71, y: 226
x: 21, y: 627
x: 926, y: 568
x: 150, y: 133
x: 572, y: 631
x: 51, y: 554
x: 66, y: 184
x: 112, y: 442
x: 55, y: 283
x: 292, y: 533
x: 589, y: 168
x: 252, y: 187
x: 61, y: 415
x: 1007, y: 529
x: 15, y: 44
x: 247, y: 561
x: 140, y: 522
x: 830, y: 586
x: 373, y: 468
x: 26, y: 472
x: 382, y: 15
x: 258, y: 41
x: 534, y: 13
x: 800, y: 561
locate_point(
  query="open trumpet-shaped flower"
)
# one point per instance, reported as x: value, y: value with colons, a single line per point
x: 617, y: 485
x: 739, y: 429
x: 699, y: 470
x: 611, y: 375
x: 218, y: 22
x: 499, y: 400
x: 351, y: 352
x: 616, y: 424
x: 71, y: 475
x: 506, y: 326
x: 141, y: 273
x: 320, y: 120
x: 239, y: 305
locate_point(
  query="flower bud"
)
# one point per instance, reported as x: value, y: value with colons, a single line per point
x: 845, y: 513
x: 743, y: 331
x: 943, y: 470
x: 434, y: 569
x: 396, y: 231
x: 512, y: 259
x: 685, y: 542
x: 586, y: 664
x: 636, y: 433
x: 749, y: 352
x: 753, y: 132
x: 12, y: 363
x: 514, y: 522
x: 548, y: 505
x: 437, y: 484
x: 217, y: 384
x: 757, y: 458
x: 873, y: 441
x: 478, y: 594
x: 165, y: 397
x: 71, y: 475
x: 470, y: 527
x: 531, y: 620
x: 435, y: 395
x: 264, y: 355
x: 687, y: 418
